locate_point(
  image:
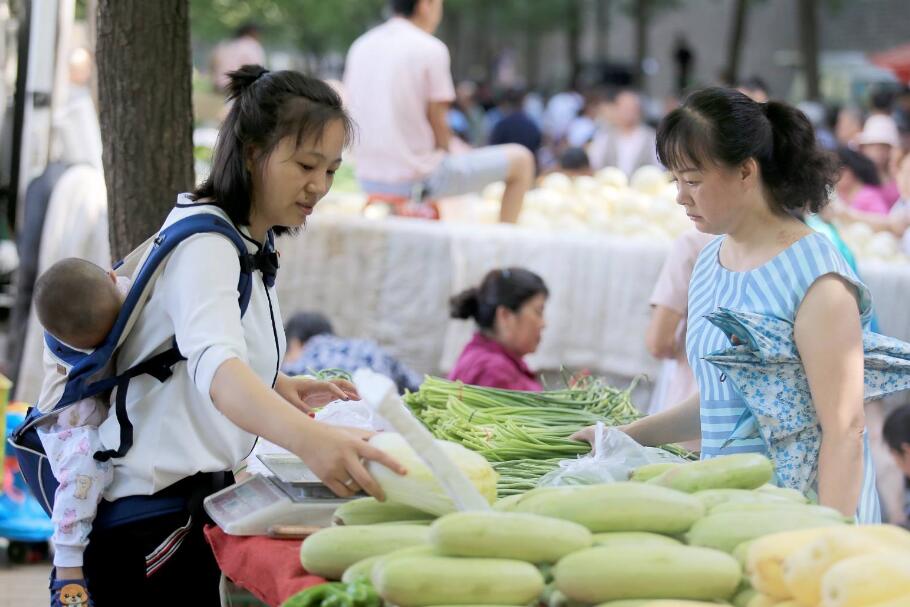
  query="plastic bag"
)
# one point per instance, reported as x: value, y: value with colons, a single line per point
x: 353, y: 414
x: 614, y: 457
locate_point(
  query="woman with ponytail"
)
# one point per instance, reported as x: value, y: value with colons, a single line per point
x: 276, y: 155
x: 508, y: 309
x: 747, y: 172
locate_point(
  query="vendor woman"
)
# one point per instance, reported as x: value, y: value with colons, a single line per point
x: 744, y: 172
x: 277, y: 152
x: 508, y: 308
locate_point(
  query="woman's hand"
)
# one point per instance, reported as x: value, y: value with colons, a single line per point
x: 334, y: 454
x: 587, y: 435
x: 337, y: 456
x: 307, y: 394
x: 677, y: 424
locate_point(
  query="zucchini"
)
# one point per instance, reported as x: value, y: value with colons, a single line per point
x: 715, y: 497
x: 361, y: 570
x: 649, y: 471
x: 625, y: 506
x: 439, y: 580
x: 784, y: 492
x: 635, y: 538
x: 507, y: 535
x: 610, y: 573
x: 330, y: 551
x: 784, y: 508
x: 369, y: 511
x: 740, y: 471
x: 744, y: 596
x: 727, y: 530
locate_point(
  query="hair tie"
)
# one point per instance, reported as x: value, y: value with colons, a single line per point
x: 261, y: 74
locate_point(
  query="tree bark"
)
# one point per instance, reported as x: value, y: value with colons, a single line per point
x: 808, y: 42
x: 573, y: 38
x: 642, y: 10
x: 735, y: 42
x: 602, y: 19
x: 488, y: 37
x: 532, y: 41
x: 146, y: 113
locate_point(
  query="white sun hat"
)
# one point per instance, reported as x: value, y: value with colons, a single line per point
x: 879, y: 129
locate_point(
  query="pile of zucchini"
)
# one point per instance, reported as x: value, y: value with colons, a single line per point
x: 675, y: 532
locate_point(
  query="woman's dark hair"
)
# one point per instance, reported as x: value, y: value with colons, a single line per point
x: 896, y: 431
x: 725, y: 127
x: 305, y: 325
x: 882, y: 100
x: 509, y: 287
x: 860, y: 165
x: 247, y: 29
x: 574, y: 159
x: 405, y: 8
x: 267, y: 107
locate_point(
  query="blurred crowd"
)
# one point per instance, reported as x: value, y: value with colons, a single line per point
x: 614, y: 126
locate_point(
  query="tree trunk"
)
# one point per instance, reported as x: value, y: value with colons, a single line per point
x: 642, y: 10
x: 573, y: 38
x: 453, y: 31
x: 146, y: 113
x: 735, y: 42
x: 602, y: 19
x: 488, y: 35
x: 808, y: 42
x: 532, y: 42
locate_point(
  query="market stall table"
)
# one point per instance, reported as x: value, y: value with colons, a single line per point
x: 269, y: 568
x: 390, y: 280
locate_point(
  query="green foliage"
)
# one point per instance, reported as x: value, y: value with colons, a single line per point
x: 310, y: 25
x: 319, y: 25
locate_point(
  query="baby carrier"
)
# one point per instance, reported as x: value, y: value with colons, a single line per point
x: 88, y: 373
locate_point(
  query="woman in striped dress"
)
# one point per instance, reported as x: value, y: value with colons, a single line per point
x: 745, y: 171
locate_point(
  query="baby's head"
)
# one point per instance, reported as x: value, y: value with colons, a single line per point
x: 77, y: 302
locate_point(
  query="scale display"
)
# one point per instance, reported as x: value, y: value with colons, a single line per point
x: 294, y: 496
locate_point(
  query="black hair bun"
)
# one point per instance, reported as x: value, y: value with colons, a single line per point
x: 465, y: 305
x: 242, y: 79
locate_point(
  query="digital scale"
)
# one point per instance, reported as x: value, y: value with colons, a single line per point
x: 294, y: 496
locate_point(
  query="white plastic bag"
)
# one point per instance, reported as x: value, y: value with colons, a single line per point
x: 353, y: 414
x: 614, y: 457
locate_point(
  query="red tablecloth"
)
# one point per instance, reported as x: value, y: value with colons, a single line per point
x: 267, y: 567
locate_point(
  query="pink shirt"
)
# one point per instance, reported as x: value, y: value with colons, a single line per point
x: 672, y: 291
x: 484, y: 362
x: 890, y: 193
x: 869, y: 200
x: 393, y: 72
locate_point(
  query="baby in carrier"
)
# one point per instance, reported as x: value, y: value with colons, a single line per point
x: 77, y: 302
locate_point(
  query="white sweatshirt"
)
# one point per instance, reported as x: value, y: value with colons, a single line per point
x: 177, y: 429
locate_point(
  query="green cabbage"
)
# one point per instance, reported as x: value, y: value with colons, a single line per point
x: 419, y: 488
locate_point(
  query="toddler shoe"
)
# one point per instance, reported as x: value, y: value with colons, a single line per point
x: 69, y: 593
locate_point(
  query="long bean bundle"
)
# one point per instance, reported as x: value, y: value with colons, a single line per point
x: 524, y: 434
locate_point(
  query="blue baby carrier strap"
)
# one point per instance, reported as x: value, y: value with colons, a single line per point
x: 86, y: 368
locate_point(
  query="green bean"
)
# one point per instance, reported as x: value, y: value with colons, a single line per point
x: 523, y: 434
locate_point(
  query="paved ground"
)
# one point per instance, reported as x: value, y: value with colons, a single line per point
x: 22, y: 585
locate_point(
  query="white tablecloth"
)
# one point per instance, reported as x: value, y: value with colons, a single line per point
x: 390, y: 281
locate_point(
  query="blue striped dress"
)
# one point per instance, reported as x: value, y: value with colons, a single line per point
x: 775, y: 289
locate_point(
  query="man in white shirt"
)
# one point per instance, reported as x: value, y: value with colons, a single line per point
x: 625, y: 141
x: 399, y: 88
x: 243, y: 49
